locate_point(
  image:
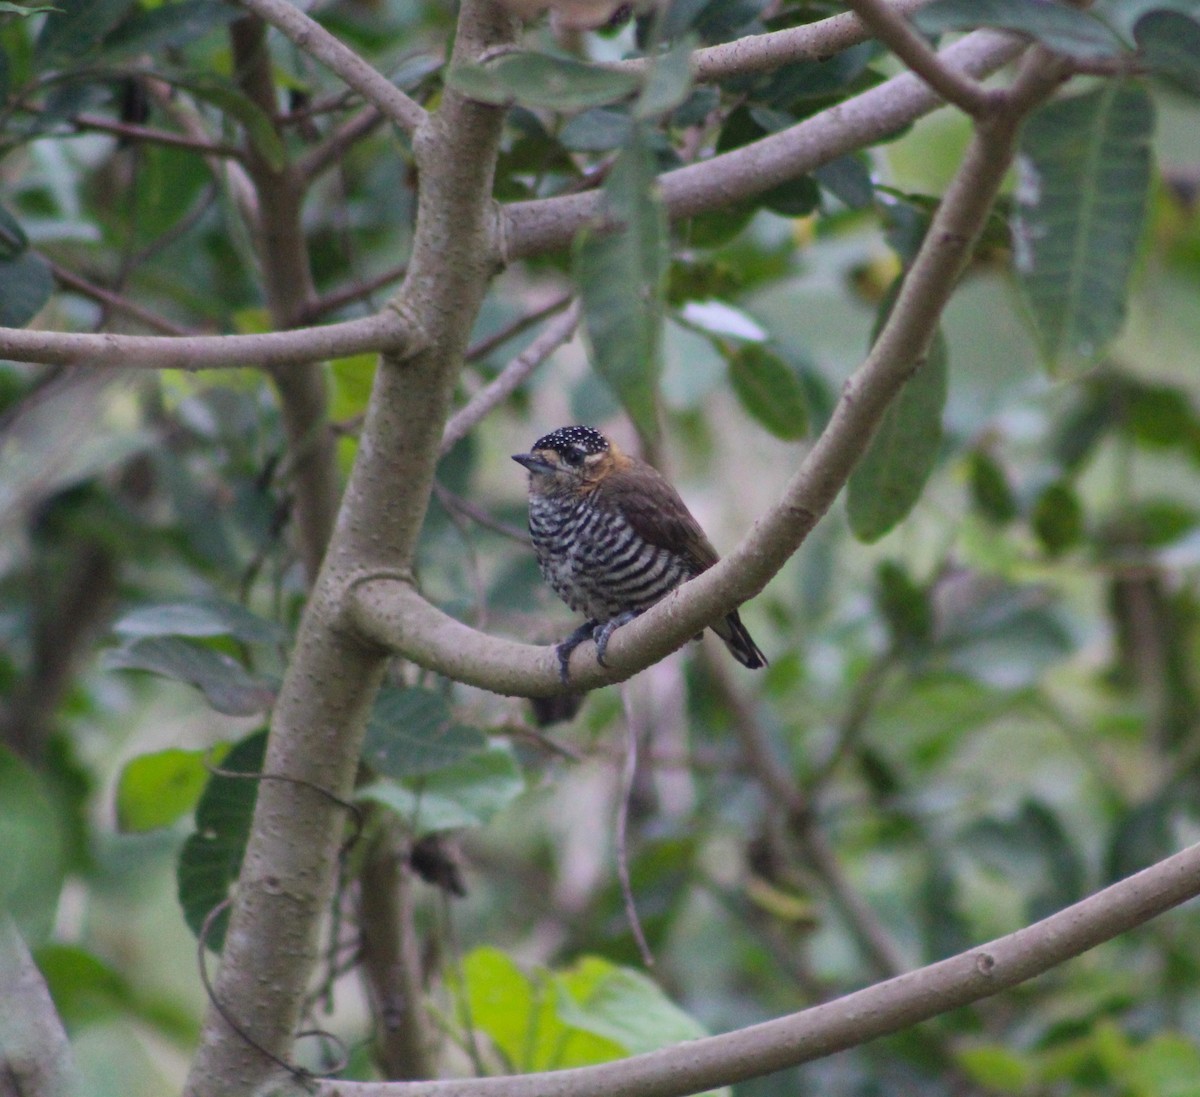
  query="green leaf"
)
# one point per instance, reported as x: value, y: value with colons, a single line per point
x: 596, y: 130
x: 32, y: 848
x: 995, y: 1068
x: 621, y: 273
x: 1166, y: 1065
x: 1170, y: 46
x: 540, y: 80
x: 889, y: 478
x: 1057, y: 518
x: 905, y: 605
x: 623, y: 1006
x: 411, y: 732
x: 769, y: 390
x: 501, y: 1003
x: 466, y: 794
x: 211, y: 858
x: 592, y: 1012
x: 168, y: 27
x: 1080, y: 208
x: 1064, y: 29
x: 225, y: 683
x: 202, y: 617
x: 795, y: 198
x: 668, y: 82
x: 990, y: 491
x: 518, y: 1012
x: 1124, y: 15
x: 25, y: 286
x: 848, y: 179
x: 155, y: 790
x: 75, y: 28
x: 84, y: 988
x: 227, y: 98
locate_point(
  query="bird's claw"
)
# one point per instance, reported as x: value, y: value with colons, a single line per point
x: 603, y: 633
x: 589, y: 630
x: 585, y: 632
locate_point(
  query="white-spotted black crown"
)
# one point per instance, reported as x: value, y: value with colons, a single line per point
x: 586, y: 440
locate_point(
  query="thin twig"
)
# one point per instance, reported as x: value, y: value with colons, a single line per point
x: 509, y: 379
x: 890, y: 26
x: 452, y: 501
x: 784, y: 795
x: 349, y: 295
x: 150, y: 135
x: 620, y: 839
x: 489, y: 343
x: 331, y: 150
x: 115, y: 302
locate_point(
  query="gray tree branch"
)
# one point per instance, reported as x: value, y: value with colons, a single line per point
x: 317, y: 727
x: 894, y: 30
x: 851, y: 1020
x: 548, y: 224
x: 387, y: 331
x: 766, y: 52
x: 35, y: 1058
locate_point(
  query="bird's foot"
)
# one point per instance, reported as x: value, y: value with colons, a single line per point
x: 586, y: 631
x: 603, y: 633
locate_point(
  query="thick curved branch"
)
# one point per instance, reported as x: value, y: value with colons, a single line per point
x: 547, y: 224
x: 389, y: 612
x: 849, y: 1021
x: 387, y: 331
x: 317, y: 42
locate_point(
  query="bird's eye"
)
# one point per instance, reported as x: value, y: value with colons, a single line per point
x: 573, y: 456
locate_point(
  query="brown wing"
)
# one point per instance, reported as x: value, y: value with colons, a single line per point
x: 657, y: 513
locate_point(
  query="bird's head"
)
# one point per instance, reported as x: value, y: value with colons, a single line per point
x: 569, y: 459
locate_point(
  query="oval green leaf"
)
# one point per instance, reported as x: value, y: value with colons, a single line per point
x: 155, y: 790
x: 411, y: 732
x: 1081, y: 207
x: 211, y: 858
x: 541, y: 80
x: 891, y: 475
x: 770, y: 391
x: 1063, y: 29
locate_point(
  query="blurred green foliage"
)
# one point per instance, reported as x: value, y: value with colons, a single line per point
x: 983, y: 675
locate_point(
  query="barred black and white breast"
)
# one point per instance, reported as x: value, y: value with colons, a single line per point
x: 613, y: 537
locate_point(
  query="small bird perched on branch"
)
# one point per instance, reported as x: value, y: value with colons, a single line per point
x: 613, y: 537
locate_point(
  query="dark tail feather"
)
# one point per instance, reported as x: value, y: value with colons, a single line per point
x: 739, y: 641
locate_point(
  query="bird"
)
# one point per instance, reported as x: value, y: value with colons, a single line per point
x: 612, y: 537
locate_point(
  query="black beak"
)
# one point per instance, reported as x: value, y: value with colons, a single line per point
x: 532, y: 462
